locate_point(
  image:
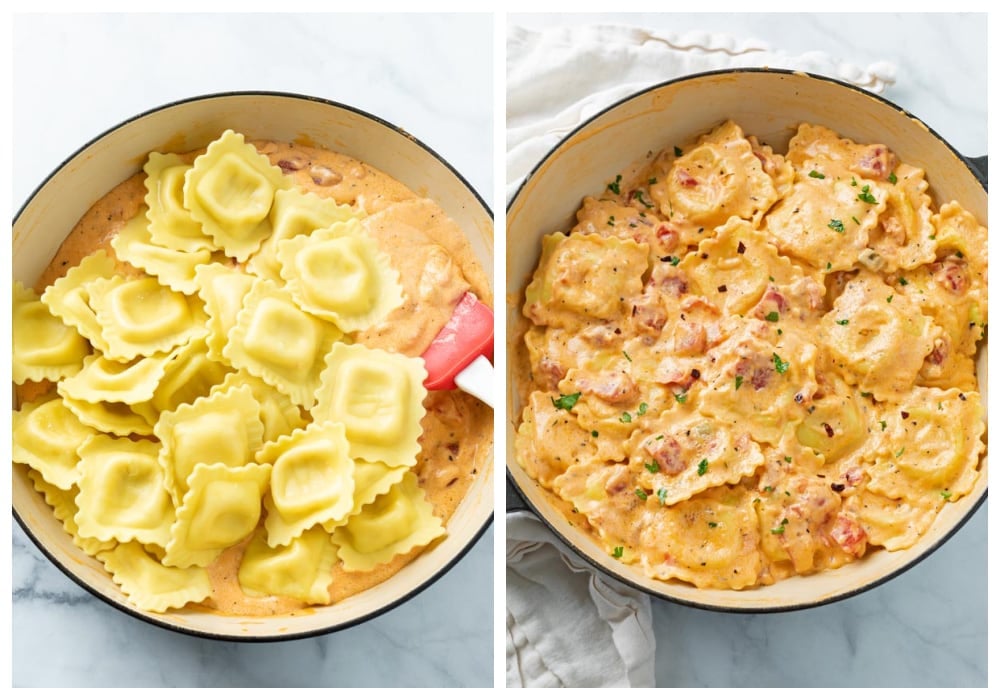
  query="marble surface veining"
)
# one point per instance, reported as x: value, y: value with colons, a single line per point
x: 927, y: 627
x: 74, y: 77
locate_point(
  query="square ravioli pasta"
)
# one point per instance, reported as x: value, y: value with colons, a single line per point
x: 219, y: 384
x: 741, y: 365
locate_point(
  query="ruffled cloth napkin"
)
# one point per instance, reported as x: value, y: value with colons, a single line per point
x: 559, y: 78
x: 568, y: 625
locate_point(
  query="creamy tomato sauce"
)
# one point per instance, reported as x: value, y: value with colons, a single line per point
x: 437, y: 266
x: 739, y: 366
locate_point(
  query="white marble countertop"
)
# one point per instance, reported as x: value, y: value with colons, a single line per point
x: 76, y: 76
x: 927, y: 627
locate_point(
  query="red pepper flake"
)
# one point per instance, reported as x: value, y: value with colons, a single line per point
x: 904, y: 414
x: 696, y: 373
x: 722, y: 288
x: 741, y: 248
x: 829, y: 430
x: 838, y: 487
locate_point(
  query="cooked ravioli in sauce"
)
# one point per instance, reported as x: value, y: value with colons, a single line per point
x: 219, y: 382
x: 740, y: 366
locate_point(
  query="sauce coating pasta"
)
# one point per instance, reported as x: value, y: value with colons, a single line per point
x: 740, y: 366
x: 172, y: 366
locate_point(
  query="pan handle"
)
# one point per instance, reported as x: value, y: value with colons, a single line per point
x: 515, y: 501
x: 978, y: 165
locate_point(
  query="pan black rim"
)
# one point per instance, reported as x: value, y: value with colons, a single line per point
x: 203, y: 634
x: 867, y: 586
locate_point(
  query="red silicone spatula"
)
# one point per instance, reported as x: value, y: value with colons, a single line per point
x: 460, y: 356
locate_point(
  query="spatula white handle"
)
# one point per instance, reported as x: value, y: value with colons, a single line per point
x: 477, y: 379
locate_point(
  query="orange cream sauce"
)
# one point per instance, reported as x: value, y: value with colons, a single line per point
x: 437, y: 266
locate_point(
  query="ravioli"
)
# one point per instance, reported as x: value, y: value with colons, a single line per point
x: 230, y: 382
x: 44, y: 347
x: 229, y: 191
x: 741, y: 366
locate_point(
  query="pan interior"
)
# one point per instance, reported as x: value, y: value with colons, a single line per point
x: 770, y: 105
x: 96, y: 168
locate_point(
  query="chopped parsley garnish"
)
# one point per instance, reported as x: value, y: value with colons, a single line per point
x: 780, y: 365
x: 769, y: 489
x: 883, y: 424
x: 619, y: 551
x: 817, y: 174
x: 739, y: 380
x: 903, y: 281
x: 829, y: 265
x: 594, y: 433
x: 566, y: 401
x: 959, y: 254
x: 772, y: 317
x: 652, y: 467
x: 713, y: 525
x: 899, y: 453
x: 681, y: 398
x: 780, y: 530
x: 616, y: 186
x: 788, y: 459
x: 837, y: 225
x: 946, y: 494
x: 866, y: 195
x: 892, y: 178
x: 702, y: 467
x: 843, y: 322
x: 855, y: 220
x: 854, y: 183
x: 888, y: 299
x: 638, y: 195
x: 678, y: 152
x: 611, y: 221
x: 626, y: 417
x: 675, y: 260
x: 643, y: 407
x: 659, y: 437
x: 626, y: 356
x: 662, y: 495
x: 652, y: 181
x: 641, y: 493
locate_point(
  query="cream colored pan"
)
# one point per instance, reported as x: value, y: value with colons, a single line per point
x: 54, y: 208
x: 768, y: 104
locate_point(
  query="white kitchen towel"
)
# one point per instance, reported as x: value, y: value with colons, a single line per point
x: 559, y: 78
x: 568, y: 625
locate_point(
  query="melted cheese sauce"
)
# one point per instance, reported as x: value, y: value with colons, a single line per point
x: 437, y: 266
